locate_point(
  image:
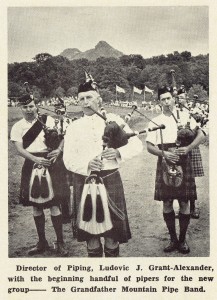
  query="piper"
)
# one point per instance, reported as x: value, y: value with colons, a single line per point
x: 42, y: 175
x: 181, y: 187
x: 82, y: 155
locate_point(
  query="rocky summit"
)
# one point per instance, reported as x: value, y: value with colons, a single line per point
x: 102, y: 49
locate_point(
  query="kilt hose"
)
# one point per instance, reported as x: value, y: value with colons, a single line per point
x: 196, y: 161
x: 185, y: 192
x: 59, y: 182
x: 113, y: 184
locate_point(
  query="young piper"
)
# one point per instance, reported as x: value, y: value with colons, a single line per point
x: 83, y: 154
x: 187, y: 190
x: 29, y: 139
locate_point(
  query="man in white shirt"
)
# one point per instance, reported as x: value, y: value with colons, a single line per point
x: 83, y: 154
x: 29, y: 139
x: 187, y: 190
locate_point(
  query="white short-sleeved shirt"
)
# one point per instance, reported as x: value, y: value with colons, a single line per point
x: 170, y: 132
x: 21, y: 127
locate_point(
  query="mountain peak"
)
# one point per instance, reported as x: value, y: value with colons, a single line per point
x: 102, y: 44
x: 102, y: 49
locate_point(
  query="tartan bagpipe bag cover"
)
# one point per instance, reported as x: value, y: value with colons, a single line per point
x: 94, y: 215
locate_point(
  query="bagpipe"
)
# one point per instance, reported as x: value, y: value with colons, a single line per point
x: 114, y: 135
x: 41, y: 188
x: 94, y: 214
x: 173, y: 172
x: 53, y: 135
x: 185, y: 135
x: 201, y: 118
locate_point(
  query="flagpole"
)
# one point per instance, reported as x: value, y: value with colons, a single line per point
x: 133, y: 95
x: 144, y: 93
x: 116, y: 93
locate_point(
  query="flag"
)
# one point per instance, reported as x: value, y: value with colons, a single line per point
x: 148, y: 90
x: 119, y: 89
x: 137, y: 90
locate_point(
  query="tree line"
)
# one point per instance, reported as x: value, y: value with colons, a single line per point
x: 51, y: 75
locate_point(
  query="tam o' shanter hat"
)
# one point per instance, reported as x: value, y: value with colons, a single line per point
x: 88, y: 85
x: 164, y: 89
x: 25, y: 99
x: 181, y: 91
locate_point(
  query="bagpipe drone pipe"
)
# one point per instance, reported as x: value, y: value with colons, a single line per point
x: 114, y: 135
x: 201, y: 118
x: 185, y: 134
x: 53, y: 135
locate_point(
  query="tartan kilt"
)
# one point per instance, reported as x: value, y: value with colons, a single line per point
x: 58, y: 175
x: 113, y: 184
x: 186, y: 191
x: 196, y: 161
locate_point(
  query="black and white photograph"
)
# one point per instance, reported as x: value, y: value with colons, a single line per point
x: 105, y: 97
x: 108, y: 132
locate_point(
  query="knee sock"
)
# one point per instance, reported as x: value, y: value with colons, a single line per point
x: 169, y: 218
x: 184, y: 221
x: 57, y: 224
x: 192, y: 205
x: 40, y: 226
x: 65, y: 211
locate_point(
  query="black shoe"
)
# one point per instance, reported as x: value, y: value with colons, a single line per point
x: 173, y: 245
x: 41, y: 247
x: 61, y: 249
x: 111, y: 252
x: 184, y: 248
x: 97, y: 252
x: 195, y: 214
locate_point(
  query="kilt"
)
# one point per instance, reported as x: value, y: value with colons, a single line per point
x: 59, y: 182
x: 112, y: 181
x: 186, y: 191
x: 196, y: 161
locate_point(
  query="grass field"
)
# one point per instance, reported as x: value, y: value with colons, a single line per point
x: 149, y: 234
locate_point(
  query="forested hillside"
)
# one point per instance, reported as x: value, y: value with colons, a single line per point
x: 50, y: 75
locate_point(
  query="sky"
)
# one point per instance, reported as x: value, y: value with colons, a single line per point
x: 148, y: 31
